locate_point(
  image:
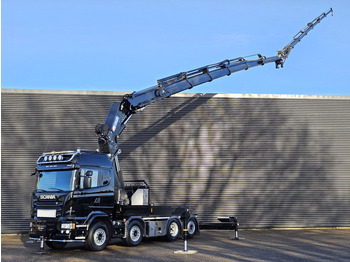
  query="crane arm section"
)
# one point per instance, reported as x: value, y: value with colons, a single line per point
x: 284, y: 53
x: 121, y: 112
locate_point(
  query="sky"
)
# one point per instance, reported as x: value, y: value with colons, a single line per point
x: 126, y: 45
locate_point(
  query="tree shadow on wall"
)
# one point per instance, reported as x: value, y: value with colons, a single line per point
x: 243, y: 157
x: 222, y: 156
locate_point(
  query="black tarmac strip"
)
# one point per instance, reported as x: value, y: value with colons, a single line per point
x: 211, y: 245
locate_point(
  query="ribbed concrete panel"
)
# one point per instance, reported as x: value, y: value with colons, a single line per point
x: 272, y: 161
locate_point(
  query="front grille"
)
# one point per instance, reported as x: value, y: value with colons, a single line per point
x: 49, y: 205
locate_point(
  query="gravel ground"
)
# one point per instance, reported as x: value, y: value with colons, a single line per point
x: 211, y: 245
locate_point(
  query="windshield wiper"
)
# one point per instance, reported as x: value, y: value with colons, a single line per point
x: 58, y: 189
x: 41, y: 190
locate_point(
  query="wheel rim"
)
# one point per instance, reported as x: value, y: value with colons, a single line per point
x: 174, y: 229
x: 100, y: 237
x: 191, y: 227
x: 135, y: 233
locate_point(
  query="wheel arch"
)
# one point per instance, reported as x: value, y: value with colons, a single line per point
x: 98, y: 216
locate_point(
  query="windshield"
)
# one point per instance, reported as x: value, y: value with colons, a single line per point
x: 56, y: 180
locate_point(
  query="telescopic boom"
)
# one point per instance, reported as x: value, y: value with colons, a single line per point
x: 121, y: 112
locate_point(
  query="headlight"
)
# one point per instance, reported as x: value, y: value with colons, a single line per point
x: 68, y: 226
x: 62, y: 198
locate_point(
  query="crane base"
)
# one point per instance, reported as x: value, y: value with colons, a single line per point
x: 188, y: 252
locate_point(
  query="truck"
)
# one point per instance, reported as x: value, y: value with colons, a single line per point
x: 81, y: 196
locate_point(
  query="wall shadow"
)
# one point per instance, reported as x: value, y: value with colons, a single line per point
x: 243, y: 157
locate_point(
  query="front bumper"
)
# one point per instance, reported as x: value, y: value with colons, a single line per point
x: 42, y: 228
x: 51, y: 231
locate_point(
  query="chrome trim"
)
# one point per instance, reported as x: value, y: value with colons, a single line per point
x: 155, y: 218
x: 60, y: 240
x: 79, y: 226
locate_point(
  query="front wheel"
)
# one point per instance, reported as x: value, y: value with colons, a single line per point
x: 98, y: 236
x: 134, y: 234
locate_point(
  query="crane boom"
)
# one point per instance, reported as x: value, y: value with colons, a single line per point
x: 187, y: 80
x: 121, y: 112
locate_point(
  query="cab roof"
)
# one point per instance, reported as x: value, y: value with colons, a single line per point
x: 78, y: 158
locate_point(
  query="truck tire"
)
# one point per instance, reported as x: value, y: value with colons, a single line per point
x: 134, y: 233
x: 192, y: 227
x: 55, y: 245
x: 173, y: 229
x: 98, y: 237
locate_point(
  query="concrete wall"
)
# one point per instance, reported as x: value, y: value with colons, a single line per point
x: 272, y: 161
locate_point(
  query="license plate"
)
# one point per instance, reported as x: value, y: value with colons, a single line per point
x: 46, y: 213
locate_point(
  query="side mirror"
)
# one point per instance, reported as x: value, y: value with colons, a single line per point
x: 87, y: 179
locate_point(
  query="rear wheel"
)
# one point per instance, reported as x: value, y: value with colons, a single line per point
x: 192, y: 227
x: 98, y: 236
x: 134, y: 234
x: 173, y: 229
x: 55, y: 245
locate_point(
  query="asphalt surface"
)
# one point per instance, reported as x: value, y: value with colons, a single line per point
x: 211, y: 245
